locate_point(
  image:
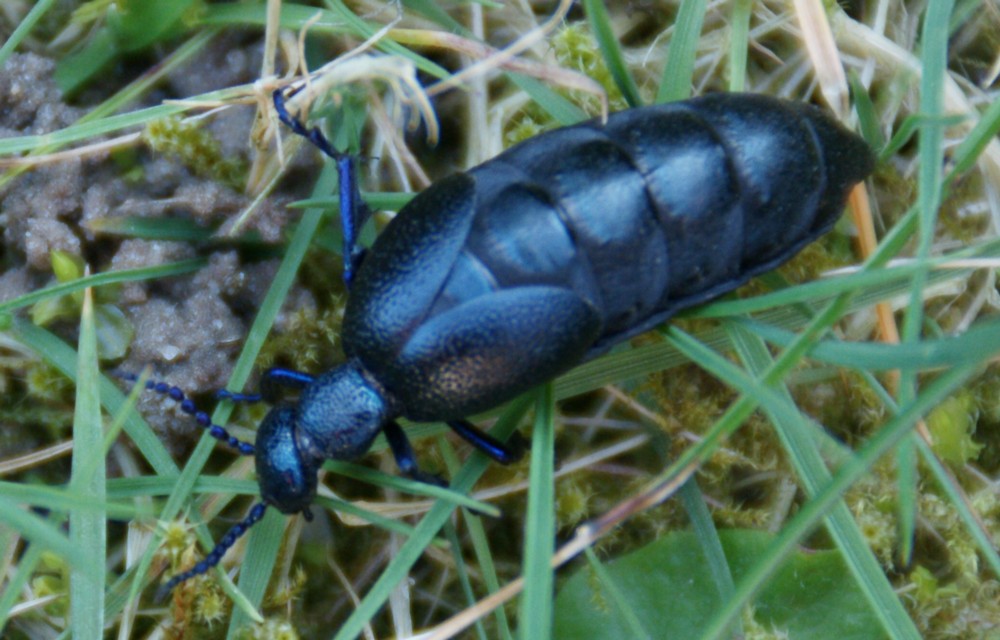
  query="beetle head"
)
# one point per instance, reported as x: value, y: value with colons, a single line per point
x: 337, y: 416
x: 287, y: 478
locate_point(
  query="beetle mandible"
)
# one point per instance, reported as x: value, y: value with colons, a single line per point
x: 499, y: 278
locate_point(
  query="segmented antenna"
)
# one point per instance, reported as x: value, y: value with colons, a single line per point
x: 215, y: 555
x: 200, y: 417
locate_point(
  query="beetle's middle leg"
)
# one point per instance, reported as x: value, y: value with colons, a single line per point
x: 406, y: 460
x: 353, y: 210
x: 507, y: 453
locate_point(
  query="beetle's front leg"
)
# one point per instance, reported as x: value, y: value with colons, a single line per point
x: 353, y: 215
x: 353, y: 210
x: 405, y: 458
x: 271, y: 384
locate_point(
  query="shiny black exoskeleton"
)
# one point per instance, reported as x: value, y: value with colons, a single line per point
x: 497, y: 279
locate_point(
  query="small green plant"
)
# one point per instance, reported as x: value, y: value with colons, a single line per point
x: 114, y: 329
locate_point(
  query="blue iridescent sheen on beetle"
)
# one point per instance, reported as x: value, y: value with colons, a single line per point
x: 498, y: 279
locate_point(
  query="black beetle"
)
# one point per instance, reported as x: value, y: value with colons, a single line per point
x: 497, y: 279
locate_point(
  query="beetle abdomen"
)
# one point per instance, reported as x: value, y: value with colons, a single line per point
x: 661, y: 208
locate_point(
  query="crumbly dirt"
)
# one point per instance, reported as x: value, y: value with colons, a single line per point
x: 188, y: 328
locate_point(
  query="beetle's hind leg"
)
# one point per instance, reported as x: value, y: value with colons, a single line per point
x: 507, y: 453
x: 353, y: 210
x: 406, y: 460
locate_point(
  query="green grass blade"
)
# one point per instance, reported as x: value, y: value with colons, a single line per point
x: 78, y: 132
x: 739, y: 44
x: 480, y: 544
x: 433, y: 11
x: 39, y: 531
x: 121, y: 488
x: 535, y: 620
x: 975, y: 143
x: 385, y: 201
x: 945, y: 479
x: 463, y: 573
x: 600, y: 24
x: 61, y: 499
x: 426, y: 530
x: 61, y: 356
x: 99, y: 279
x: 816, y: 509
x: 15, y: 583
x: 868, y: 122
x: 148, y: 81
x: 255, y: 571
x: 376, y: 519
x: 562, y: 110
x: 708, y: 537
x: 811, y: 469
x: 679, y: 70
x: 371, y: 476
x: 88, y: 527
x: 934, y: 55
x: 364, y: 30
x: 874, y: 356
x: 78, y: 68
x: 24, y: 28
x: 972, y: 521
x: 621, y: 604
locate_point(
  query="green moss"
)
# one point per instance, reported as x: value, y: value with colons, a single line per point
x: 598, y: 597
x: 576, y: 49
x: 951, y: 425
x: 572, y: 501
x: 987, y: 393
x: 525, y: 127
x: 273, y: 629
x: 952, y: 609
x: 310, y: 342
x: 961, y: 216
x: 286, y: 593
x: 52, y: 579
x: 48, y: 384
x: 874, y: 512
x: 842, y: 402
x: 211, y: 607
x: 195, y: 148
